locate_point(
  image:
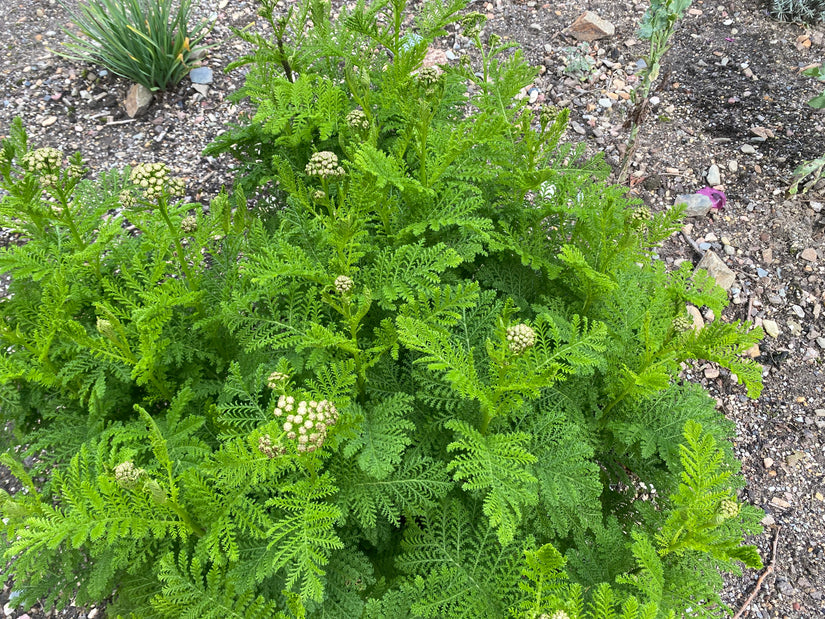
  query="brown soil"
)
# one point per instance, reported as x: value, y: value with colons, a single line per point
x: 731, y: 74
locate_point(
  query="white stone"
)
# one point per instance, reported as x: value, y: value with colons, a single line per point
x: 771, y: 328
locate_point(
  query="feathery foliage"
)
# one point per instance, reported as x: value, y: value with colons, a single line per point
x: 433, y: 371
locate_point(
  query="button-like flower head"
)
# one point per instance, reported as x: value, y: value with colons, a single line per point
x: 275, y: 379
x: 344, y: 284
x: 357, y: 121
x: 266, y: 447
x: 127, y: 475
x: 324, y: 164
x: 154, y: 180
x: 428, y: 76
x: 46, y: 163
x: 189, y: 224
x: 520, y: 337
x: 308, y: 422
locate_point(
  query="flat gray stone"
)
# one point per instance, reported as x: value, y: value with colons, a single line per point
x: 717, y: 269
x: 201, y: 75
x: 697, y: 204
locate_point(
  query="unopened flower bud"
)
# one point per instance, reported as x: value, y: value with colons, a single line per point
x: 324, y: 164
x: 343, y: 284
x: 729, y: 508
x: 157, y: 493
x: 519, y: 338
x: 357, y: 121
x: 127, y: 474
x: 189, y: 224
x: 274, y: 380
x: 682, y: 324
x: 105, y: 328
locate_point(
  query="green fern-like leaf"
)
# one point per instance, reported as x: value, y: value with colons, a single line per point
x: 500, y: 466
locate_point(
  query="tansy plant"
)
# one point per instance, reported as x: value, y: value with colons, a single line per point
x: 150, y: 42
x: 433, y: 373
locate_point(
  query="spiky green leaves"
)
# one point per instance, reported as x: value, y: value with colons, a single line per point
x: 703, y: 503
x: 500, y: 467
x: 303, y: 537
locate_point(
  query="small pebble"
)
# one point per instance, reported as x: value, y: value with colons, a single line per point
x: 771, y: 328
x: 748, y: 149
x: 713, y: 176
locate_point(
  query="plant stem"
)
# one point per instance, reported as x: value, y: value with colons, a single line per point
x: 193, y: 526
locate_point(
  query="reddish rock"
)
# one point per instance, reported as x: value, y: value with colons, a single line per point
x: 590, y: 27
x: 138, y: 100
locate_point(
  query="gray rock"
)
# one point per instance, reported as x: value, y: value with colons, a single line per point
x: 717, y: 269
x: 590, y: 27
x: 201, y: 75
x: 748, y: 149
x: 138, y: 100
x: 713, y: 176
x: 201, y: 88
x: 450, y: 54
x: 697, y: 204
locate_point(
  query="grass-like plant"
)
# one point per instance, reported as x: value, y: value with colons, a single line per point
x: 147, y: 41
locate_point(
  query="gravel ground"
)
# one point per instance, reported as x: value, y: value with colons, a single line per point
x: 730, y: 102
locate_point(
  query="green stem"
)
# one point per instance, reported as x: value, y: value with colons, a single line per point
x: 163, y: 207
x: 193, y: 526
x: 359, y: 361
x: 486, y: 418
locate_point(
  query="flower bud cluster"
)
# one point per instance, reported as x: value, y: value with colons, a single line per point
x: 559, y: 614
x: 728, y: 509
x: 306, y: 422
x: 641, y: 215
x: 344, y: 284
x: 275, y: 379
x: 548, y: 114
x: 154, y: 180
x: 682, y: 324
x: 189, y: 224
x: 357, y: 121
x: 127, y: 198
x: 428, y: 76
x: 266, y: 448
x: 44, y: 162
x: 520, y: 337
x: 324, y: 164
x: 127, y: 475
x: 105, y: 328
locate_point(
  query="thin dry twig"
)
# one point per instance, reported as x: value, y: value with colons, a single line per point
x: 768, y: 570
x: 693, y: 244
